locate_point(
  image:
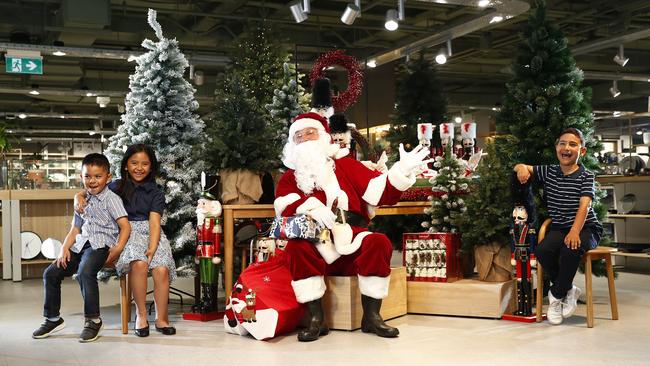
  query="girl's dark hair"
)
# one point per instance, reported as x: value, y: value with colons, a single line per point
x: 126, y: 187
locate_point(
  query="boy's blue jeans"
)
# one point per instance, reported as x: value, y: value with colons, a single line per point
x: 86, y: 265
x: 561, y: 263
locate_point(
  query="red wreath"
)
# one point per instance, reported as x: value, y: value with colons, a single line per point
x: 342, y: 101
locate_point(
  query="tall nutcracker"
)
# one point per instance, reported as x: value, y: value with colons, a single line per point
x: 523, y: 236
x: 208, y: 248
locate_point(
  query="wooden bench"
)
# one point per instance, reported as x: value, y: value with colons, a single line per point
x: 596, y: 253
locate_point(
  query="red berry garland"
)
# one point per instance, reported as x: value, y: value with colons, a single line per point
x: 344, y: 100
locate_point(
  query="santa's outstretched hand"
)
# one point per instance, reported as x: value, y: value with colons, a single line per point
x: 413, y: 161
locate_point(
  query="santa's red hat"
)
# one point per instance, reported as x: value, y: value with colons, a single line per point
x: 307, y: 120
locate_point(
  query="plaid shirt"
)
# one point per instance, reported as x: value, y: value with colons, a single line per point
x: 98, y: 223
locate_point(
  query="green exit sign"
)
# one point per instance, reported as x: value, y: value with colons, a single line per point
x: 24, y: 65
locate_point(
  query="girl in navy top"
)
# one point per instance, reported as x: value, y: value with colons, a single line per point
x: 148, y: 248
x: 569, y: 190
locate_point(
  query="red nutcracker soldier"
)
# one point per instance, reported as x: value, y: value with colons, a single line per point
x: 446, y: 137
x: 523, y: 236
x: 468, y: 136
x: 208, y: 248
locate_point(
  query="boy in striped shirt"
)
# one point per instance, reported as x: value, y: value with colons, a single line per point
x: 569, y: 190
x: 96, y: 237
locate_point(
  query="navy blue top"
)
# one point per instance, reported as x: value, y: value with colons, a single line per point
x: 147, y: 197
x: 563, y: 193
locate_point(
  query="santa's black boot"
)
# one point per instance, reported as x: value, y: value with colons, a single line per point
x: 317, y: 326
x: 372, y: 321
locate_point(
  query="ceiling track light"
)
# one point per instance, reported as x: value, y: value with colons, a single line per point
x: 614, y: 89
x: 300, y: 10
x: 351, y: 12
x: 619, y: 58
x: 441, y: 57
x: 392, y: 20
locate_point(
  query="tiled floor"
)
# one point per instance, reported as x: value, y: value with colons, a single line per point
x: 424, y: 340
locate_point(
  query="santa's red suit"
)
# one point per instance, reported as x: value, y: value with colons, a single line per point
x: 357, y: 189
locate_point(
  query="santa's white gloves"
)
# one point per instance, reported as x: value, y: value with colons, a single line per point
x: 379, y: 166
x: 413, y: 161
x: 323, y: 215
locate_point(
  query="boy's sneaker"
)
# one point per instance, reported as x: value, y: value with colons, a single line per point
x: 554, y: 313
x: 91, y: 331
x: 571, y: 302
x: 48, y: 327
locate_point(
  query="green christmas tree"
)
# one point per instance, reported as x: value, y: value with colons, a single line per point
x: 258, y: 60
x: 287, y: 102
x: 418, y: 100
x: 241, y: 130
x: 546, y: 96
x: 449, y: 188
x: 160, y: 112
x: 489, y: 205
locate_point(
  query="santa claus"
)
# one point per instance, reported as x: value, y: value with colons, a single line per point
x: 320, y: 176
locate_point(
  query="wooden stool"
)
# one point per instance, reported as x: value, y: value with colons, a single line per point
x: 596, y: 253
x: 125, y: 303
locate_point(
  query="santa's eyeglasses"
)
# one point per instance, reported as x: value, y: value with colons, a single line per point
x: 306, y: 134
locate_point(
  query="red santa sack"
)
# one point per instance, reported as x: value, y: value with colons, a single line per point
x: 262, y: 302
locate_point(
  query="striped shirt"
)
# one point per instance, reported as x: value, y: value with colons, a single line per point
x: 98, y: 223
x: 563, y: 193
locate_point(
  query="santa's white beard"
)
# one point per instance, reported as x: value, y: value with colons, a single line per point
x: 312, y: 165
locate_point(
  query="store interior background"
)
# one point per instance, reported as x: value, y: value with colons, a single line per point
x: 85, y: 45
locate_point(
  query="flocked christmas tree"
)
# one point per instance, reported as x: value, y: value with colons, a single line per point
x: 449, y: 188
x: 288, y: 101
x: 160, y: 112
x: 546, y: 96
x: 418, y: 99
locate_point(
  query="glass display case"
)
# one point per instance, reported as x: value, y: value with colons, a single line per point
x: 43, y: 174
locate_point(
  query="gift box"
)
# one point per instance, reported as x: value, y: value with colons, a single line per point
x: 431, y: 257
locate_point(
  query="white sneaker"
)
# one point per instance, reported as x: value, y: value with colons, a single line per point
x: 571, y: 302
x: 554, y: 313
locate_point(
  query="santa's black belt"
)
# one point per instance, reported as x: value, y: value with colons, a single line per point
x: 354, y: 219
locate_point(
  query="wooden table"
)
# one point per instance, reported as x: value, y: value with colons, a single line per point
x: 232, y: 212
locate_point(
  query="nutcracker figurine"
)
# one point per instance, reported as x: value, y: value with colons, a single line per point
x: 446, y: 137
x: 341, y: 132
x: 523, y: 236
x: 208, y: 248
x: 468, y: 135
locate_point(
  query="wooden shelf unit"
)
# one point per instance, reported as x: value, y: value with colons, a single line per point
x: 610, y: 179
x: 628, y: 216
x: 46, y: 212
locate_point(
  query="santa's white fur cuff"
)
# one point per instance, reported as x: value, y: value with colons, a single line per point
x: 375, y: 189
x: 281, y: 203
x: 374, y: 286
x: 398, y: 179
x: 309, y: 204
x: 309, y: 289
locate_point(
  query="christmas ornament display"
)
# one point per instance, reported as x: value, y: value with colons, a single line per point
x: 344, y: 100
x: 431, y: 257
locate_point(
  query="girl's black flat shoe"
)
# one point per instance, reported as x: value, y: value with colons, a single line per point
x: 166, y: 330
x: 143, y: 332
